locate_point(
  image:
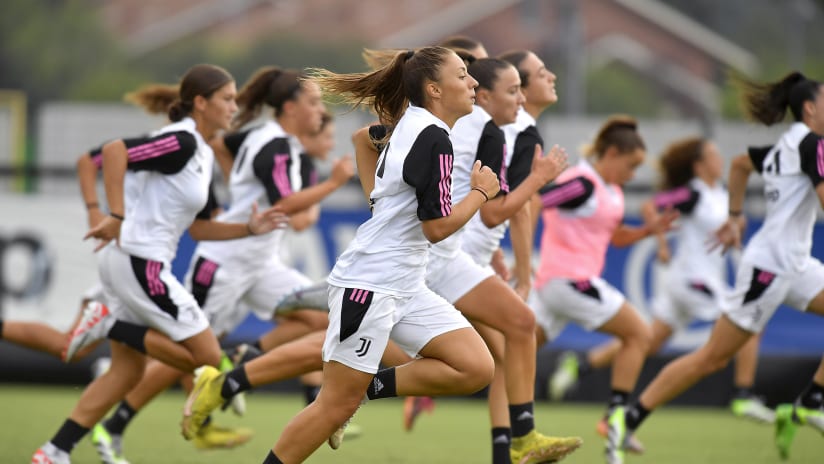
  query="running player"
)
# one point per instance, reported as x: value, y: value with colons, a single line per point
x: 383, y: 269
x: 582, y: 217
x: 695, y: 282
x: 168, y: 177
x: 776, y: 267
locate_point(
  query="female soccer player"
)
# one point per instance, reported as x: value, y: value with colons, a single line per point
x: 695, y: 283
x: 166, y: 185
x: 582, y: 216
x: 776, y: 266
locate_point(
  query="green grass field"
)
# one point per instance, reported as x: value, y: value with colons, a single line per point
x: 457, y: 432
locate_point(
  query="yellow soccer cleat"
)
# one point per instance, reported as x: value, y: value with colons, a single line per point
x: 214, y: 437
x: 204, y: 398
x: 534, y: 448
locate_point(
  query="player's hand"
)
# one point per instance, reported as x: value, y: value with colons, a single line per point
x: 342, y: 170
x: 484, y: 179
x: 548, y: 167
x: 267, y: 221
x: 106, y: 230
x: 727, y: 236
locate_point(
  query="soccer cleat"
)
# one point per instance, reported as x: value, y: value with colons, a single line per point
x: 204, y: 398
x: 414, y: 406
x: 109, y: 446
x: 535, y: 448
x: 616, y: 435
x: 785, y: 428
x: 752, y: 408
x: 631, y: 443
x: 50, y: 454
x: 812, y: 417
x: 565, y: 376
x: 315, y: 296
x: 94, y: 325
x: 335, y: 440
x: 100, y: 366
x: 214, y: 437
x: 237, y: 402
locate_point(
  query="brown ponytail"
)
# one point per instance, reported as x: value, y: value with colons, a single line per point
x: 271, y: 86
x: 389, y: 88
x: 767, y: 103
x: 621, y: 132
x: 178, y: 100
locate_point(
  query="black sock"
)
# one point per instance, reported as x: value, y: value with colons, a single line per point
x: 272, y: 459
x: 69, y: 434
x: 501, y: 438
x: 234, y: 383
x: 1, y: 328
x: 382, y: 385
x: 521, y: 418
x: 743, y: 393
x: 118, y: 421
x: 617, y: 398
x: 132, y: 335
x: 635, y: 415
x: 584, y: 367
x: 310, y: 392
x: 813, y: 396
x: 257, y: 345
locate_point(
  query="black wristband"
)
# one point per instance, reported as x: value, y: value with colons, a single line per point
x: 478, y: 189
x: 117, y: 216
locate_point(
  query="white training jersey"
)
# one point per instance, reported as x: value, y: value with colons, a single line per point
x: 266, y: 168
x: 703, y: 210
x: 172, y: 170
x: 413, y: 183
x: 465, y: 137
x: 791, y: 169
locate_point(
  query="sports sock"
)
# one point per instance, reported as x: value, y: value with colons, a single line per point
x: 310, y: 392
x: 813, y: 396
x: 69, y: 434
x: 617, y: 398
x: 635, y: 415
x: 382, y: 385
x: 522, y: 419
x: 742, y: 393
x: 235, y: 382
x: 118, y: 421
x: 272, y: 459
x: 501, y: 438
x: 132, y: 335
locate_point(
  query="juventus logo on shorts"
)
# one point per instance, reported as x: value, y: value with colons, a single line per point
x: 363, y: 348
x: 355, y: 303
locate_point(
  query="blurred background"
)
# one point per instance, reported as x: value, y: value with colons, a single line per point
x: 64, y: 66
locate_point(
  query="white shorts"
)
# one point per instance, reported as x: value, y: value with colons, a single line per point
x: 683, y: 299
x: 589, y: 303
x: 145, y: 292
x: 228, y: 294
x: 758, y: 293
x: 361, y: 323
x: 454, y: 278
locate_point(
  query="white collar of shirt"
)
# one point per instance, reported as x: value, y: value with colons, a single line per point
x: 277, y: 129
x: 417, y: 112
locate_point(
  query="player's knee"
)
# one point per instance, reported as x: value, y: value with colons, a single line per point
x: 478, y: 373
x: 521, y: 320
x: 712, y: 362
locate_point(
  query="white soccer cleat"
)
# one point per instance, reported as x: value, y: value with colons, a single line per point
x: 93, y: 326
x: 109, y: 446
x: 752, y: 408
x: 50, y: 454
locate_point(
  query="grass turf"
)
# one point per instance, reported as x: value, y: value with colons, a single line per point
x: 457, y: 432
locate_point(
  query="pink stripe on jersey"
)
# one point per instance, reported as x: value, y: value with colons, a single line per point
x: 279, y: 175
x: 154, y: 149
x: 445, y: 184
x: 672, y: 197
x: 504, y: 183
x: 819, y: 158
x: 765, y: 277
x: 562, y: 194
x: 206, y: 272
x: 156, y: 286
